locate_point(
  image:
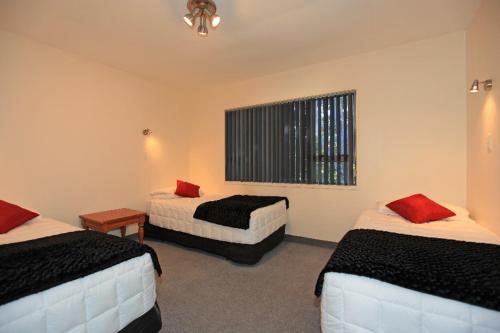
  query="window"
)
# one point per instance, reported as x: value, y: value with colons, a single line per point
x: 302, y: 141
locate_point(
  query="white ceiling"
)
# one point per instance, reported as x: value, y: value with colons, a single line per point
x: 256, y: 37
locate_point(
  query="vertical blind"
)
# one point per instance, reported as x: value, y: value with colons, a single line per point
x: 305, y: 141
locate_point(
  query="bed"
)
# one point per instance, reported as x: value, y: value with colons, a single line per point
x: 172, y: 220
x: 120, y: 298
x: 354, y: 303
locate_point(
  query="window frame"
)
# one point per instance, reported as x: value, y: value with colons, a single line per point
x: 355, y: 140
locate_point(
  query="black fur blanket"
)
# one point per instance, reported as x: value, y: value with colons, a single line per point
x: 463, y: 271
x: 36, y: 265
x: 234, y: 211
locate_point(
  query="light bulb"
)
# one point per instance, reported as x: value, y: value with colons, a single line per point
x: 202, y: 29
x: 215, y: 20
x: 475, y: 87
x: 189, y: 19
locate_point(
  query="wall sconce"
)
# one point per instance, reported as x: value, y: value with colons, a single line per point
x: 487, y: 84
x: 147, y: 131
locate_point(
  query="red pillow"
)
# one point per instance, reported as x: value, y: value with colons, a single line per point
x: 419, y: 209
x: 12, y: 216
x: 185, y: 189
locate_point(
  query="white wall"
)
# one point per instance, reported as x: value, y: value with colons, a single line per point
x: 483, y: 62
x: 70, y: 133
x: 411, y: 130
x: 71, y: 142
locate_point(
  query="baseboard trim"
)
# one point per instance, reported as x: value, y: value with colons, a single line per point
x: 310, y: 241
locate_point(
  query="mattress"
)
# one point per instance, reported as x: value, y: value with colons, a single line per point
x: 105, y: 301
x: 351, y: 303
x: 177, y: 214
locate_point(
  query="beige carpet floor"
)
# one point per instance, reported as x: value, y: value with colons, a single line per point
x: 200, y: 292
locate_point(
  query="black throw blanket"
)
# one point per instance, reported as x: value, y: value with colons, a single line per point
x: 234, y: 211
x: 36, y: 265
x: 463, y: 271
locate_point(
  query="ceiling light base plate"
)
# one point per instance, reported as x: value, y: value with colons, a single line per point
x: 207, y: 5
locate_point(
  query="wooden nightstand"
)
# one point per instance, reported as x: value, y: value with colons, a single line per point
x: 114, y: 219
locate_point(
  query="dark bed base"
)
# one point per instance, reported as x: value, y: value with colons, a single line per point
x: 240, y: 253
x: 150, y: 322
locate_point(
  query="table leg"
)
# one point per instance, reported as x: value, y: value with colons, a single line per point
x: 123, y: 231
x: 141, y: 231
x: 84, y: 225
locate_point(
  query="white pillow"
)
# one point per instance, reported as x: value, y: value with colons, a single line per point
x: 164, y: 193
x: 462, y: 214
x: 164, y: 190
x: 34, y: 220
x: 164, y: 196
x: 168, y: 193
x: 383, y: 209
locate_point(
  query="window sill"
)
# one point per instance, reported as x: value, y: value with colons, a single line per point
x: 304, y: 186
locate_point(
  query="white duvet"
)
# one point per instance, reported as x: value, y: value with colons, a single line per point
x: 177, y: 214
x: 351, y: 303
x: 105, y: 301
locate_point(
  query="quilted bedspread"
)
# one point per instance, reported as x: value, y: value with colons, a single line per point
x: 36, y: 265
x: 463, y: 271
x: 234, y: 211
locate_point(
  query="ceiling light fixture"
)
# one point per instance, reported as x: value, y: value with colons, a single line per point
x: 487, y: 84
x: 202, y: 9
x: 189, y: 19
